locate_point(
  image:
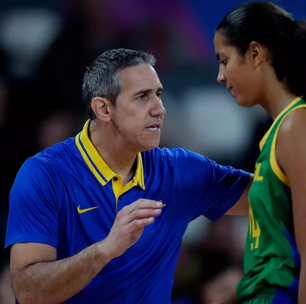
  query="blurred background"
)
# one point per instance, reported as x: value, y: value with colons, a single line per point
x: 45, y: 46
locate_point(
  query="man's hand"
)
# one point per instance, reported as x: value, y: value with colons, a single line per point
x: 129, y: 225
x: 56, y: 281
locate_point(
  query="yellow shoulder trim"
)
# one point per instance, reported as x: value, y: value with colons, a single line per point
x: 273, y: 162
x: 291, y: 104
x: 139, y: 174
x: 89, y: 163
x: 97, y: 165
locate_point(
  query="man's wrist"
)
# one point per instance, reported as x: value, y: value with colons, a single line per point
x: 105, y: 252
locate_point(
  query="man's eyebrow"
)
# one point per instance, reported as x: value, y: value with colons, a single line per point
x: 147, y: 91
x: 144, y: 91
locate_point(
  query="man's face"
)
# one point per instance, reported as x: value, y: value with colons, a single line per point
x: 139, y: 113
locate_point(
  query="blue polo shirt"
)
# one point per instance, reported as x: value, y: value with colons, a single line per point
x: 67, y: 197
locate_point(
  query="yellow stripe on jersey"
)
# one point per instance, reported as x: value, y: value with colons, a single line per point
x: 100, y: 169
x: 264, y: 139
x: 273, y: 162
x: 87, y: 161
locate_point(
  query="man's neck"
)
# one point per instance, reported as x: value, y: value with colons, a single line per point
x: 118, y: 158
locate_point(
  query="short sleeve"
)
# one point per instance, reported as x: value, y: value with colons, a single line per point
x: 34, y: 197
x: 205, y: 187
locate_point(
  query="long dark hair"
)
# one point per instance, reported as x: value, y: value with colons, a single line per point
x: 273, y: 27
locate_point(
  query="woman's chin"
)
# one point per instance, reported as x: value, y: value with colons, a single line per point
x: 244, y: 102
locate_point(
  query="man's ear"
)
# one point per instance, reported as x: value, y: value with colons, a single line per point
x: 102, y: 108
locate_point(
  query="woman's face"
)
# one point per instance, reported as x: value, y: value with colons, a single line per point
x: 237, y: 72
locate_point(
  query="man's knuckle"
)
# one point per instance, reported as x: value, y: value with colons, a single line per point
x: 137, y: 223
x: 140, y: 201
x: 124, y: 209
x: 138, y: 213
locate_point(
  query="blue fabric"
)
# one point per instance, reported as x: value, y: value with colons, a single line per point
x: 51, y: 186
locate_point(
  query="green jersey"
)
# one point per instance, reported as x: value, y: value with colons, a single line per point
x: 271, y: 261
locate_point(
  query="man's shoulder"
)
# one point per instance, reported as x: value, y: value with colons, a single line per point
x: 62, y: 152
x: 50, y: 159
x: 172, y: 156
x: 171, y: 153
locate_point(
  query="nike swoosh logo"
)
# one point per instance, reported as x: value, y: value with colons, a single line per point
x: 85, y: 210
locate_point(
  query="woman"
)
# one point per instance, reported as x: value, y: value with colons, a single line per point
x: 262, y: 55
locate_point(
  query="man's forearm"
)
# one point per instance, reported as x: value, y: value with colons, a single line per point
x: 55, y: 282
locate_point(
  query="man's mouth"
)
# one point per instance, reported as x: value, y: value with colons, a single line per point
x: 154, y: 127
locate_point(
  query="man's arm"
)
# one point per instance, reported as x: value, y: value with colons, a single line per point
x: 39, y: 278
x: 205, y: 187
x: 242, y: 205
x: 290, y: 154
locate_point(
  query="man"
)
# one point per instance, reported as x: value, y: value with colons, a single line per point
x: 100, y: 217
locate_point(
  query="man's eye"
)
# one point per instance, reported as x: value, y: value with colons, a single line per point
x: 224, y: 62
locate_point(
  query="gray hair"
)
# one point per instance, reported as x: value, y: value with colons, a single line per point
x: 101, y: 78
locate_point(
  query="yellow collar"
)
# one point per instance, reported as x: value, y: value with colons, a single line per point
x: 95, y: 162
x: 264, y: 139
